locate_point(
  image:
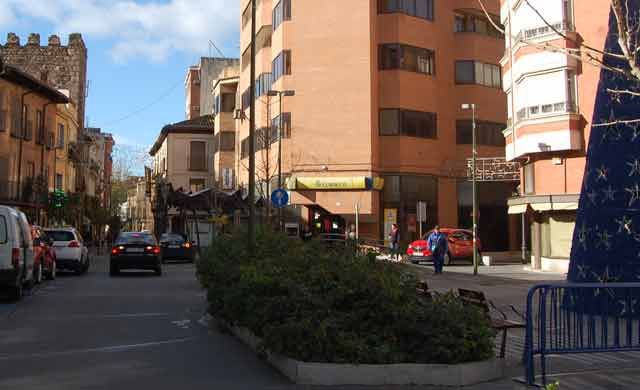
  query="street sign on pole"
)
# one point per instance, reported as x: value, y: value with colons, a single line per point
x: 279, y: 198
x: 422, y: 215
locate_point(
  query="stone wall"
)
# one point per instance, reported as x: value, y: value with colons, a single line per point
x: 63, y: 67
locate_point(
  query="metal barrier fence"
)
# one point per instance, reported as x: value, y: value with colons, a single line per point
x: 571, y: 318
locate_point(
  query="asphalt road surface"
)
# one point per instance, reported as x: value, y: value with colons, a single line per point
x: 137, y: 331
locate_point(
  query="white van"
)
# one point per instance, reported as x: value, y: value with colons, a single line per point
x: 16, y: 252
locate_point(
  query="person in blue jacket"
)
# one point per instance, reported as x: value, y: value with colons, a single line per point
x: 439, y: 246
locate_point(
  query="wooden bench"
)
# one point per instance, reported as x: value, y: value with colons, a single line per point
x: 503, y: 324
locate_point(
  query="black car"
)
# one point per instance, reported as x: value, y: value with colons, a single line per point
x: 176, y: 247
x: 135, y: 251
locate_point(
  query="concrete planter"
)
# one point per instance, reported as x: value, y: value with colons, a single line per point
x: 326, y: 374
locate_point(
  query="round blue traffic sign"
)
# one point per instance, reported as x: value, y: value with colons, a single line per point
x: 279, y: 198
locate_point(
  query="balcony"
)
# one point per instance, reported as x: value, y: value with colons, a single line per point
x: 546, y: 110
x: 32, y: 192
x: 543, y: 31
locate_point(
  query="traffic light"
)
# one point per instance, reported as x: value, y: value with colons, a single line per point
x: 59, y: 199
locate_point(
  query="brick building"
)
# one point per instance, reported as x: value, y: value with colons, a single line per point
x: 378, y: 92
x: 198, y: 85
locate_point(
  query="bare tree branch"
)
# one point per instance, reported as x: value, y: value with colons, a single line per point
x: 619, y: 122
x: 624, y: 38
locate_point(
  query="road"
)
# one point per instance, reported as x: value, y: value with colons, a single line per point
x: 139, y: 331
x: 132, y: 332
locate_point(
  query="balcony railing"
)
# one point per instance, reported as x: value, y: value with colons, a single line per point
x: 543, y: 110
x: 31, y: 191
x: 542, y: 31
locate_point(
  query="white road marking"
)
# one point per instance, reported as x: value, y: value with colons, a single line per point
x: 115, y: 348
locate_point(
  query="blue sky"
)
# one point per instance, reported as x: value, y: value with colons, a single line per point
x: 138, y: 53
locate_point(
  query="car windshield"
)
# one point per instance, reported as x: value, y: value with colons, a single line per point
x: 61, y: 235
x: 135, y: 239
x: 172, y: 238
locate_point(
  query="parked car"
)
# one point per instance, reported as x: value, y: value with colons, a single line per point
x: 71, y: 252
x: 135, y: 251
x: 45, y: 255
x: 16, y: 252
x: 460, y: 247
x: 176, y: 247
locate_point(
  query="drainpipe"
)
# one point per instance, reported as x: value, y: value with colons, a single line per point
x: 23, y: 125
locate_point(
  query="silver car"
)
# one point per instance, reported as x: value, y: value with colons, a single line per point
x: 71, y: 252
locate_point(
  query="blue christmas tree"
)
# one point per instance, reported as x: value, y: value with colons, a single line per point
x: 606, y: 244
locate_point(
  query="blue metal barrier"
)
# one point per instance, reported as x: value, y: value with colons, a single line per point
x: 572, y: 318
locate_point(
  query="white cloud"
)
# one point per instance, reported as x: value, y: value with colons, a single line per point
x: 150, y: 29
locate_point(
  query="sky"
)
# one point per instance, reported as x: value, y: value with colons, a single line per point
x: 138, y: 53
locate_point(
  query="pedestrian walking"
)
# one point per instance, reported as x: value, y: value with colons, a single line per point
x: 394, y: 241
x: 439, y: 246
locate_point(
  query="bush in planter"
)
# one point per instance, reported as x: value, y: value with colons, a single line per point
x: 316, y: 304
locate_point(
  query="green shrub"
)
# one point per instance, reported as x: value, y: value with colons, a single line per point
x: 320, y: 304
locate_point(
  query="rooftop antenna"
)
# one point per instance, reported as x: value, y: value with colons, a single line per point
x: 211, y: 44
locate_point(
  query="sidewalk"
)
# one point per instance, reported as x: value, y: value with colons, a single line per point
x: 509, y: 285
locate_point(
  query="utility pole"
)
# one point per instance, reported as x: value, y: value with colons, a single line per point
x: 252, y: 131
x: 474, y: 156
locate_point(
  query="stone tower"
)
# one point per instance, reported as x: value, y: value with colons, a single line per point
x: 63, y: 67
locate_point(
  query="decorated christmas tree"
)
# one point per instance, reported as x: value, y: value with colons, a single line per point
x: 606, y: 244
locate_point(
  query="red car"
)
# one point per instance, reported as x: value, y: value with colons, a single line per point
x: 460, y: 247
x: 44, y: 254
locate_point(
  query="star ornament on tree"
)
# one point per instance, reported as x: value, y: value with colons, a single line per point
x: 625, y: 225
x: 603, y: 173
x: 604, y: 240
x: 609, y: 194
x: 583, y: 237
x: 634, y: 193
x: 635, y: 168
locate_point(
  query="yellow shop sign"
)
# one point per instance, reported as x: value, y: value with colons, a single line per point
x: 336, y: 183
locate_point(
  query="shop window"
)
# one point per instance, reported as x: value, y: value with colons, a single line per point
x: 529, y: 179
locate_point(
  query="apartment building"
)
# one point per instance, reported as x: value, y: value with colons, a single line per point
x: 551, y: 100
x: 198, y: 85
x: 376, y: 120
x: 67, y: 152
x: 27, y: 140
x: 182, y: 154
x: 224, y: 92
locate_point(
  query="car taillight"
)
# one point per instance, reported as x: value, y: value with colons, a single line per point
x: 74, y: 244
x: 153, y: 249
x: 116, y: 250
x: 15, y: 257
x: 187, y: 245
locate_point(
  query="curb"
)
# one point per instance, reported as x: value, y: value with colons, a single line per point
x: 327, y: 374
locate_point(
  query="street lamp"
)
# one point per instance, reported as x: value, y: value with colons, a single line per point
x: 474, y: 155
x: 280, y: 94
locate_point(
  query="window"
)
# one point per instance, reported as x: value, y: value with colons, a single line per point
x: 61, y: 136
x: 263, y: 84
x: 3, y: 230
x: 275, y: 126
x: 228, y: 102
x: 3, y: 113
x: 572, y: 90
x: 58, y: 181
x: 227, y: 178
x: 16, y: 118
x: 408, y: 123
x: 246, y: 98
x: 487, y: 133
x: 244, y: 148
x: 404, y: 57
x: 465, y: 22
x: 227, y: 141
x: 474, y: 72
x: 198, y: 156
x: 529, y: 179
x: 281, y: 65
x: 281, y: 13
x: 196, y: 185
x: 31, y: 169
x: 418, y: 8
x: 39, y: 127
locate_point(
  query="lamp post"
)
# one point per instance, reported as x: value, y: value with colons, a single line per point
x: 280, y: 94
x: 252, y: 133
x: 474, y: 155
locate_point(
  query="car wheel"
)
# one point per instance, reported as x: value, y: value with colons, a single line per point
x: 447, y: 259
x: 37, y: 273
x: 52, y: 272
